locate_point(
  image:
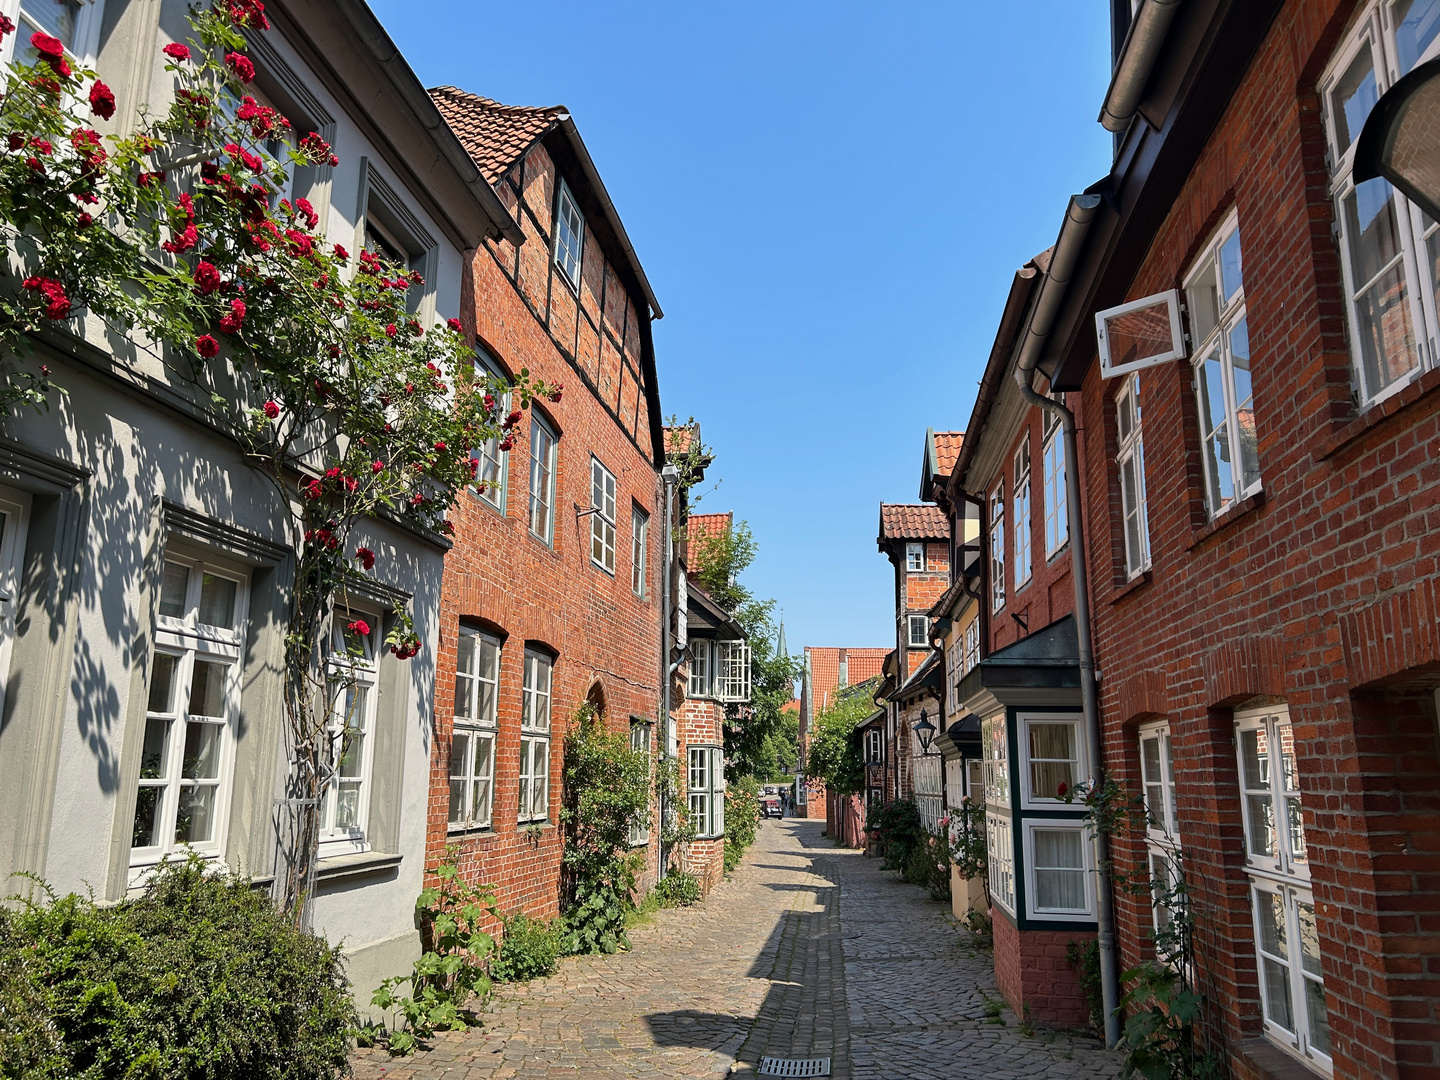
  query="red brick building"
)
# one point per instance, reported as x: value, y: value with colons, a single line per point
x: 827, y: 669
x: 552, y: 592
x: 1258, y: 483
x: 916, y: 540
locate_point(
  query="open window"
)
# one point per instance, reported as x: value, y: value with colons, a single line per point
x: 732, y: 671
x: 1140, y: 334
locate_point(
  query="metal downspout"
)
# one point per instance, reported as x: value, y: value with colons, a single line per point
x: 1042, y: 319
x: 669, y: 475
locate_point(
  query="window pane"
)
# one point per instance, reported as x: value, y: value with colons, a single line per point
x: 147, y: 814
x: 195, y: 822
x: 207, y: 689
x: 201, y: 760
x: 217, y: 601
x: 58, y: 18
x: 352, y: 750
x: 1416, y: 24
x: 1353, y: 98
x: 1059, y: 849
x: 541, y: 788
x: 162, y: 683
x: 459, y: 752
x: 1382, y: 310
x: 1244, y: 404
x: 1210, y: 390
x: 1309, y: 938
x: 173, y: 589
x: 1230, y: 278
x: 1262, y: 824
x: 1052, y: 741
x: 1059, y: 889
x: 154, y: 756
x: 1270, y: 909
x: 1277, y: 994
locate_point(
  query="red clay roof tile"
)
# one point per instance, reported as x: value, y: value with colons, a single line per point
x: 496, y: 135
x: 913, y: 521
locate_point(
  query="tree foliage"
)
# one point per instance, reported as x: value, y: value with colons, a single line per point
x: 171, y: 241
x: 835, y: 755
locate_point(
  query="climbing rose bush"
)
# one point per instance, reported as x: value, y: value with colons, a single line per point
x: 176, y: 239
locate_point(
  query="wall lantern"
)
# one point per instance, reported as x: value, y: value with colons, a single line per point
x: 925, y: 732
x: 1401, y: 138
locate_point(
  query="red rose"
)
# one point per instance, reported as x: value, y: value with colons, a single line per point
x: 57, y: 304
x: 145, y: 179
x: 230, y: 322
x: 554, y: 394
x: 102, y: 100
x: 184, y: 240
x: 366, y: 557
x: 243, y: 69
x: 6, y: 26
x: 341, y: 253
x: 43, y: 146
x: 17, y: 140
x: 178, y: 52
x: 377, y: 466
x: 35, y: 163
x: 207, y: 278
x: 272, y: 409
x: 359, y: 627
x: 454, y: 324
x: 1061, y: 790
x: 207, y: 346
x: 390, y: 330
x: 84, y: 220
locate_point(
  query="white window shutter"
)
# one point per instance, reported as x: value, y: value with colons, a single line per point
x: 1140, y: 334
x: 744, y: 672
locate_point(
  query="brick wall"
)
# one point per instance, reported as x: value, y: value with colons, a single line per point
x: 1320, y: 595
x: 700, y: 722
x: 502, y: 577
x: 1032, y: 971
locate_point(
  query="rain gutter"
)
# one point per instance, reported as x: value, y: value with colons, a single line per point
x: 1137, y: 60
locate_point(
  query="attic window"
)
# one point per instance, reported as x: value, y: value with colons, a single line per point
x: 569, y: 236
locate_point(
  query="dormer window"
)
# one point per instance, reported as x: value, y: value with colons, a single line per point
x: 569, y: 236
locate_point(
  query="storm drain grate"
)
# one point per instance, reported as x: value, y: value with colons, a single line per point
x: 773, y: 1066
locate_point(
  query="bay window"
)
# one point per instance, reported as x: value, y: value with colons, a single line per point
x: 535, y: 739
x: 1131, y: 463
x: 972, y: 646
x: 1054, y: 756
x: 1022, y: 513
x: 472, y: 739
x: 1060, y: 878
x: 192, y: 704
x: 1287, y: 942
x: 700, y: 670
x: 1390, y: 250
x: 353, y: 677
x: 705, y: 785
x: 1224, y: 397
x: 999, y: 840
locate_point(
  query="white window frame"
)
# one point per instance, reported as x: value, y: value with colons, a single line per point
x: 188, y: 642
x: 86, y: 34
x: 1086, y: 869
x: 602, y: 521
x: 915, y: 558
x: 972, y: 647
x: 354, y: 675
x: 542, y: 478
x: 1000, y: 859
x: 1052, y: 478
x: 1286, y: 968
x: 1103, y: 335
x: 705, y: 789
x: 874, y: 747
x: 1162, y: 829
x: 569, y: 237
x: 1130, y: 463
x: 534, y: 795
x: 639, y: 551
x: 1023, y: 561
x: 641, y: 736
x: 492, y: 476
x: 1375, y: 29
x: 1272, y: 793
x: 1080, y: 771
x: 1218, y: 343
x: 732, y: 671
x: 997, y: 547
x: 701, y: 681
x: 475, y: 718
x: 912, y: 623
x: 995, y: 755
x: 14, y: 527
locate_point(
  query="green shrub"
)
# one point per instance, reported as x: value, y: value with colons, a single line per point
x: 678, y: 889
x: 928, y: 865
x: 200, y: 976
x: 451, y: 971
x: 528, y: 950
x: 607, y: 791
x: 1084, y: 957
x: 742, y: 819
x: 981, y: 927
x: 897, y: 831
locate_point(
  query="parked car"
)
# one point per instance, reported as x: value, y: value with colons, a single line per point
x: 772, y: 805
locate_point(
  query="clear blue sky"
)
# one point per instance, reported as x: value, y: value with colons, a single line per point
x: 830, y: 200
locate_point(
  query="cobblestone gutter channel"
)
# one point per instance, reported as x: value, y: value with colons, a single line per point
x: 806, y: 951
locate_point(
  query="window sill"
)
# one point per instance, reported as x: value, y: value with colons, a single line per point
x: 1228, y: 518
x: 603, y: 568
x: 493, y: 507
x: 470, y: 832
x: 359, y: 864
x: 1135, y: 584
x: 1375, y: 415
x: 1273, y: 1063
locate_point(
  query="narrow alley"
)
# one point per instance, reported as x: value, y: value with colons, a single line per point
x: 807, y: 951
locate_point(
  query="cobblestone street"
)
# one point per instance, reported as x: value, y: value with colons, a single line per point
x: 807, y: 951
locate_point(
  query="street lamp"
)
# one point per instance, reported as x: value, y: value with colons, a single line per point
x: 1401, y: 138
x: 925, y: 732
